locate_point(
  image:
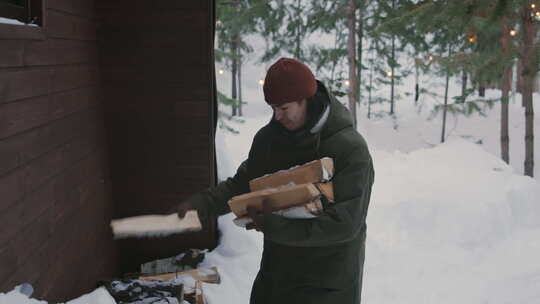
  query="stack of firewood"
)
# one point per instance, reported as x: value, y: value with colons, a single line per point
x: 292, y: 193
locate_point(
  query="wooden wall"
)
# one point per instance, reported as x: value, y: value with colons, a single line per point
x: 55, y: 197
x: 156, y: 59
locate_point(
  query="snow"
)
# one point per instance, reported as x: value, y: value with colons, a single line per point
x: 98, y: 296
x: 237, y: 258
x: 13, y: 21
x: 15, y: 297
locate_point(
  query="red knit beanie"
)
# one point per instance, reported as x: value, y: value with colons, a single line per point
x: 288, y: 80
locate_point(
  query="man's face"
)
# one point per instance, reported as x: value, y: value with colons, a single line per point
x: 291, y: 115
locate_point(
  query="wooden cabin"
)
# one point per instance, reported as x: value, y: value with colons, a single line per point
x: 107, y: 110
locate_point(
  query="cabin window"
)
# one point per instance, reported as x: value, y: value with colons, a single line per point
x: 24, y: 11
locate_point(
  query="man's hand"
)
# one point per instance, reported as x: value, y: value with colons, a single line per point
x: 258, y: 217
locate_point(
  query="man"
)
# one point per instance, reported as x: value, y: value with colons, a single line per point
x: 317, y: 260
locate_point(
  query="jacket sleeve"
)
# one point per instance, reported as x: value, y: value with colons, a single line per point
x: 341, y: 221
x: 213, y: 201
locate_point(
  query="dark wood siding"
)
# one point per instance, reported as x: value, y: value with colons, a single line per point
x: 55, y: 188
x: 157, y: 69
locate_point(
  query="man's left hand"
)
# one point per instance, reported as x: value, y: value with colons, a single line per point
x: 257, y: 216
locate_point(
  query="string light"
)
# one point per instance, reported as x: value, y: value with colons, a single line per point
x: 221, y: 72
x: 261, y: 82
x: 389, y: 74
x: 533, y: 5
x: 472, y: 39
x: 430, y: 58
x: 513, y: 32
x: 218, y: 22
x: 537, y: 16
x: 347, y: 82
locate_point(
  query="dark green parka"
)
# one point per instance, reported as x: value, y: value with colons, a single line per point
x: 317, y: 260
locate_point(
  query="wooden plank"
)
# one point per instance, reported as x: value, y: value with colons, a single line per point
x: 24, y: 84
x: 23, y: 115
x: 27, y: 271
x: 28, y: 240
x: 119, y: 96
x: 11, y: 53
x: 8, y: 264
x: 76, y: 186
x: 72, y: 77
x: 104, y: 5
x: 65, y: 103
x: 43, y: 168
x: 59, y: 52
x: 21, y: 32
x: 75, y: 7
x: 18, y: 150
x: 156, y: 20
x: 11, y: 188
x: 15, y: 218
x: 61, y: 25
x: 170, y: 56
x: 205, y: 274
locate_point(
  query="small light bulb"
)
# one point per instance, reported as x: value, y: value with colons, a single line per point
x: 472, y: 39
x: 513, y: 32
x: 261, y: 82
x: 533, y: 5
x: 430, y: 58
x: 347, y: 82
x: 537, y: 13
x: 389, y: 74
x: 221, y: 72
x: 218, y: 22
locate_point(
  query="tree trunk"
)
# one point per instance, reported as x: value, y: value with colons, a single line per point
x: 481, y: 90
x: 234, y: 73
x: 506, y: 86
x: 529, y: 64
x: 445, y: 100
x: 297, y: 50
x: 464, y: 80
x: 360, y: 37
x: 370, y: 88
x: 351, y: 58
x: 416, y: 85
x: 393, y: 58
x: 505, y: 137
x: 240, y: 112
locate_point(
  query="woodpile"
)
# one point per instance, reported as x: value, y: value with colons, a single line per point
x: 292, y: 193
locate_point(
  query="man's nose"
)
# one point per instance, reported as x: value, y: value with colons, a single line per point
x: 278, y: 114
